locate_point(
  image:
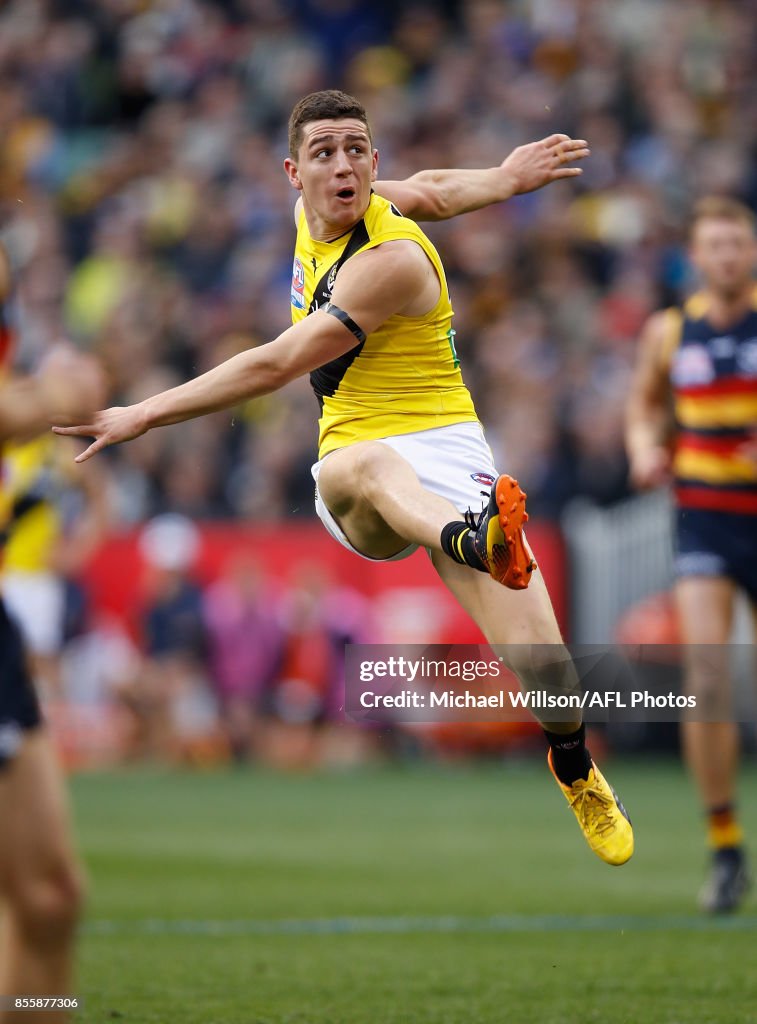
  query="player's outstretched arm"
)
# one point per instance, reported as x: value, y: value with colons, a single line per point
x: 648, y: 410
x: 372, y: 287
x: 441, y: 194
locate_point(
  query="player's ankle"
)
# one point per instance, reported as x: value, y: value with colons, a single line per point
x: 457, y: 542
x: 724, y: 830
x: 570, y: 758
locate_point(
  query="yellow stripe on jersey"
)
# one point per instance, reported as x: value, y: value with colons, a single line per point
x: 712, y: 411
x: 713, y: 468
x: 34, y: 535
x: 406, y: 376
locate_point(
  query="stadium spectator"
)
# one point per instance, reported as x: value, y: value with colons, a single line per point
x: 169, y: 698
x: 246, y: 641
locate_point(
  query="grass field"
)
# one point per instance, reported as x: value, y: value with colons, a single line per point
x: 400, y: 896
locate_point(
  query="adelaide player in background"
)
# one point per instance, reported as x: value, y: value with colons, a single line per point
x: 692, y: 420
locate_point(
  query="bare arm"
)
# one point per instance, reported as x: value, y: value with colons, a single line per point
x: 371, y: 287
x: 69, y: 385
x: 648, y: 411
x: 22, y: 410
x: 441, y: 194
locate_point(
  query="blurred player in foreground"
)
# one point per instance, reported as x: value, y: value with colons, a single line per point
x: 401, y: 454
x: 698, y: 366
x: 40, y: 881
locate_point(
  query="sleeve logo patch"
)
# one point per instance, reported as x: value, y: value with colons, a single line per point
x: 298, y: 284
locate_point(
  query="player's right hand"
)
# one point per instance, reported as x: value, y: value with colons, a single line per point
x: 650, y: 467
x: 111, y: 426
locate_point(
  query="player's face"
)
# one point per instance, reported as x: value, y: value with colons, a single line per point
x: 334, y: 170
x: 725, y: 254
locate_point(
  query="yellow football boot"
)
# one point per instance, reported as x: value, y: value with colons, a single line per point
x: 602, y: 817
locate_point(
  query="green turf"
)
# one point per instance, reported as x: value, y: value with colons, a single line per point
x: 434, y: 852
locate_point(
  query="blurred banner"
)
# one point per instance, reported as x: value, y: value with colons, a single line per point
x: 409, y: 603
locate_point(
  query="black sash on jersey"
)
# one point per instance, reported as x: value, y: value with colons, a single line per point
x: 325, y: 286
x: 327, y: 378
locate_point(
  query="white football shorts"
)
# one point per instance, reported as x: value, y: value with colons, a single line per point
x: 454, y: 462
x: 37, y: 602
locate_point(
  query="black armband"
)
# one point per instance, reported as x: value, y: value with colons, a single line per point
x: 346, y: 319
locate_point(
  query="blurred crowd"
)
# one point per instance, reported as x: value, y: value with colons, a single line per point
x: 243, y: 665
x: 144, y: 206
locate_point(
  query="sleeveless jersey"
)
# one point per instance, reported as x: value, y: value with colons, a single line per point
x: 405, y: 376
x: 713, y: 375
x: 30, y: 522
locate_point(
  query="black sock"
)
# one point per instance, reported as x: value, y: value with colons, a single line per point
x: 457, y: 542
x: 570, y: 758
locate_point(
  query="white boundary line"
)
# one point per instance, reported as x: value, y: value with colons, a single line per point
x: 514, y: 923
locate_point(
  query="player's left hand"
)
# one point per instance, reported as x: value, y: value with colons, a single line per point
x: 538, y: 163
x: 111, y: 426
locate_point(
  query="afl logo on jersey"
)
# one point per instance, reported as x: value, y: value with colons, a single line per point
x: 692, y: 364
x: 298, y: 284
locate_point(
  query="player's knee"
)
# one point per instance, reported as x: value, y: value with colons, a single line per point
x: 47, y: 910
x: 710, y: 685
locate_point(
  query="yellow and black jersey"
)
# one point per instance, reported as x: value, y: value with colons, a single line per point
x: 713, y: 375
x: 405, y: 376
x: 30, y: 522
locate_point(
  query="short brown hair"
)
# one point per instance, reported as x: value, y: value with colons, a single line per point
x: 721, y: 208
x: 327, y: 105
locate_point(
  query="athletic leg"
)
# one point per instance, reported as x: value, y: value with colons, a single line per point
x: 40, y: 883
x: 705, y: 615
x: 711, y: 749
x: 379, y: 502
x: 524, y: 623
x: 381, y: 506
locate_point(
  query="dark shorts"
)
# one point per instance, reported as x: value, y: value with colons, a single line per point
x: 711, y: 543
x: 19, y: 710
